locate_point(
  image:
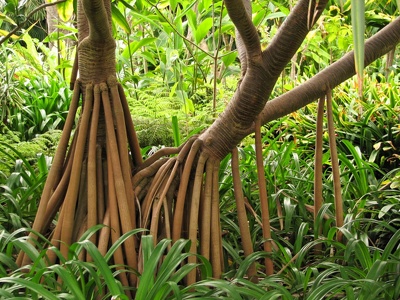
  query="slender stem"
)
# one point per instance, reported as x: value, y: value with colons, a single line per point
x: 162, y: 198
x: 73, y: 188
x: 92, y: 164
x: 318, y: 170
x: 105, y: 232
x: 119, y: 182
x: 194, y: 214
x: 130, y: 128
x: 121, y: 132
x: 180, y: 200
x: 216, y: 236
x: 335, y: 167
x: 241, y: 213
x: 153, y: 195
x: 148, y: 171
x: 269, y: 267
x: 101, y: 209
x: 115, y: 219
x: 205, y: 226
x: 216, y: 54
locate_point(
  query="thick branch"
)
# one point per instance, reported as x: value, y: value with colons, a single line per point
x: 259, y: 80
x: 97, y: 11
x: 376, y: 46
x: 290, y: 36
x: 240, y: 14
x: 96, y: 50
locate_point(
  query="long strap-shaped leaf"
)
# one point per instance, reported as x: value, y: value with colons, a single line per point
x: 358, y: 24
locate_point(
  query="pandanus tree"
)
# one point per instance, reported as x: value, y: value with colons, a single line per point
x: 98, y: 176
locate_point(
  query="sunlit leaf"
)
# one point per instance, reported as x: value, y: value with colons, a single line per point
x: 4, y: 17
x: 229, y: 58
x: 175, y: 131
x: 119, y: 18
x: 203, y: 28
x: 4, y: 33
x: 65, y: 9
x: 134, y: 46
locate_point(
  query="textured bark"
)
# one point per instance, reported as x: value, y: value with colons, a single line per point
x: 261, y: 74
x: 376, y: 46
x: 96, y: 48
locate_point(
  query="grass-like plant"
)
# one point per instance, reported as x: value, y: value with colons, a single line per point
x: 45, y: 106
x: 21, y: 189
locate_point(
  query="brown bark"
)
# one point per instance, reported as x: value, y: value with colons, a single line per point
x: 263, y: 70
x: 228, y: 129
x: 376, y: 46
x: 96, y: 48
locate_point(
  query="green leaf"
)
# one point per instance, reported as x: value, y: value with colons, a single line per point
x: 165, y: 273
x: 70, y: 281
x: 358, y: 24
x: 119, y: 242
x: 134, y: 46
x: 126, y: 4
x: 275, y: 15
x: 175, y: 131
x: 65, y: 10
x: 392, y: 244
x: 151, y: 258
x: 4, y: 17
x: 101, y: 263
x: 202, y: 30
x: 363, y: 255
x: 34, y: 287
x: 384, y: 210
x: 377, y: 270
x: 173, y: 4
x: 188, y: 106
x: 229, y: 58
x: 301, y: 233
x: 188, y: 10
x: 192, y: 20
x: 248, y: 261
x: 119, y: 18
x: 326, y: 288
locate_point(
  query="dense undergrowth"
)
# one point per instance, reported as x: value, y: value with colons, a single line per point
x: 167, y: 110
x: 365, y: 265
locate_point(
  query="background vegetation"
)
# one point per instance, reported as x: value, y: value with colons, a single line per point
x: 179, y: 68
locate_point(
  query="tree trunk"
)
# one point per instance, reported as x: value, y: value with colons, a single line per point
x: 174, y: 196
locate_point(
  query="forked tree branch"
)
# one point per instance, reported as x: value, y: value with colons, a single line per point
x: 259, y: 79
x: 240, y: 14
x: 291, y: 35
x: 376, y: 46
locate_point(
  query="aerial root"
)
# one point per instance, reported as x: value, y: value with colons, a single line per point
x: 189, y: 210
x: 266, y: 228
x: 174, y: 193
x: 242, y: 216
x: 91, y: 183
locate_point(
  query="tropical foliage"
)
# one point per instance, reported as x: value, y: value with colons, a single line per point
x: 176, y: 60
